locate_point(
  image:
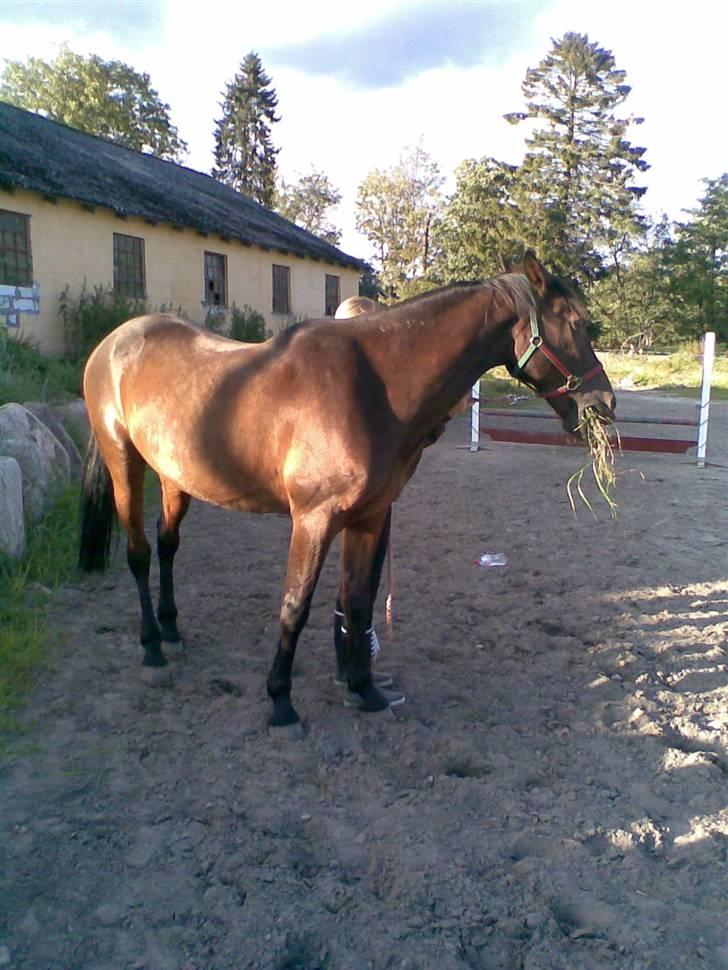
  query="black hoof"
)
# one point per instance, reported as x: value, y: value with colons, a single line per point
x: 369, y: 699
x: 153, y: 656
x: 170, y: 633
x: 283, y: 714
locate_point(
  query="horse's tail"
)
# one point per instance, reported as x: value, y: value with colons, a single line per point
x: 98, y: 512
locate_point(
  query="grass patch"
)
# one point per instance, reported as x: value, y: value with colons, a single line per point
x: 679, y: 373
x: 49, y: 560
x: 26, y: 375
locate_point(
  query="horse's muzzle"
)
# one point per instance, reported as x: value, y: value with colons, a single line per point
x: 602, y: 402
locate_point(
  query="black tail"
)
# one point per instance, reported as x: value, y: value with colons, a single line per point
x: 98, y: 513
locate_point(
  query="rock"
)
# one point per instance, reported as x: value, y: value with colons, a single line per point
x: 12, y: 523
x: 53, y: 422
x: 44, y: 462
x: 74, y: 416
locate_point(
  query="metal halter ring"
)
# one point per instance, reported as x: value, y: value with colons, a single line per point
x: 573, y: 382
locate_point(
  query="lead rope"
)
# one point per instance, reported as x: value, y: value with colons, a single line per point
x: 388, y: 611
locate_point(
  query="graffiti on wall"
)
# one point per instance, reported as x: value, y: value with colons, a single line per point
x: 16, y: 300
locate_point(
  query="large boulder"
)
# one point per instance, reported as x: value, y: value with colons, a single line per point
x: 53, y: 422
x: 74, y: 416
x: 43, y: 460
x: 12, y: 523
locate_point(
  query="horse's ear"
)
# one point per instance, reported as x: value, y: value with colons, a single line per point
x: 537, y: 276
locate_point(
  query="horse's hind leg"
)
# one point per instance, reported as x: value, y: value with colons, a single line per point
x: 174, y: 507
x: 127, y: 468
x: 310, y: 540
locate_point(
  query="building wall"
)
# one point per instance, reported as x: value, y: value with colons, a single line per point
x: 71, y: 244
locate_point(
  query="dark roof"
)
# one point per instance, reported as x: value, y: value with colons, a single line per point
x: 61, y: 162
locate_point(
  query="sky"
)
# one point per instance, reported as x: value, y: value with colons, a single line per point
x: 359, y: 84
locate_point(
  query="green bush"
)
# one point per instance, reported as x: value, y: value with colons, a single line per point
x: 248, y: 325
x: 88, y: 318
x: 215, y: 320
x: 26, y: 375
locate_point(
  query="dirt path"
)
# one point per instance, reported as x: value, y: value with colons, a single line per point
x: 552, y: 795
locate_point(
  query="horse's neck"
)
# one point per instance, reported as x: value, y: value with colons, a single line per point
x: 431, y: 356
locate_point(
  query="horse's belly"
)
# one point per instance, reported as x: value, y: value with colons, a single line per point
x: 210, y: 474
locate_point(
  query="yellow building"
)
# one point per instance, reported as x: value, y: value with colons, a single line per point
x: 75, y: 208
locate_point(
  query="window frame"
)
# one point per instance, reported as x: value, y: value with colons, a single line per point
x: 281, y: 282
x: 209, y: 258
x: 124, y: 257
x: 15, y: 243
x: 329, y: 306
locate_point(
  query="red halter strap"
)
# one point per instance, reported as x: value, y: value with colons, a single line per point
x: 573, y: 381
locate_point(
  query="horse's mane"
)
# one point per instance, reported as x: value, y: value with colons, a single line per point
x: 513, y: 286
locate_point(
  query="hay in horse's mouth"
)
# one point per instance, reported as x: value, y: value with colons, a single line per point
x: 594, y: 429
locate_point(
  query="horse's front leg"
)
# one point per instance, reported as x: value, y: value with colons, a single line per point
x: 363, y: 548
x: 310, y: 540
x: 174, y: 507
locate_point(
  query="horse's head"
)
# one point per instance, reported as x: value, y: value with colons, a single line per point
x: 553, y: 353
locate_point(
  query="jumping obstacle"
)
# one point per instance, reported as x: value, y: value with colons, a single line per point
x: 675, y: 446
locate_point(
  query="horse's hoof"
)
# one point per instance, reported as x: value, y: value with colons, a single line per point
x: 170, y: 633
x: 286, y: 732
x: 372, y: 700
x: 157, y: 676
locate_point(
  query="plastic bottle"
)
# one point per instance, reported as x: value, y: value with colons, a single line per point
x: 491, y: 559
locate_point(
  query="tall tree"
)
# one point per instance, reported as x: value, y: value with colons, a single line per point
x: 633, y: 305
x: 480, y: 222
x: 307, y: 202
x: 244, y: 154
x: 395, y: 209
x: 107, y: 98
x: 699, y: 262
x: 579, y: 167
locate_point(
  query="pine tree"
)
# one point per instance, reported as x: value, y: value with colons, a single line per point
x: 578, y: 170
x: 245, y: 157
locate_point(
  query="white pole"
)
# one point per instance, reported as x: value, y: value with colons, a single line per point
x: 708, y: 356
x: 475, y: 418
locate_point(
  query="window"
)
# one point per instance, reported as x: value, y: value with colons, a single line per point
x: 215, y: 280
x: 16, y: 265
x: 129, y: 278
x: 332, y: 295
x: 281, y: 289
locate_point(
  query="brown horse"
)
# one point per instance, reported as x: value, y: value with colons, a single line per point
x: 326, y: 422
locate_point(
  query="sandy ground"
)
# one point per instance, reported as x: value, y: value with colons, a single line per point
x: 552, y: 795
